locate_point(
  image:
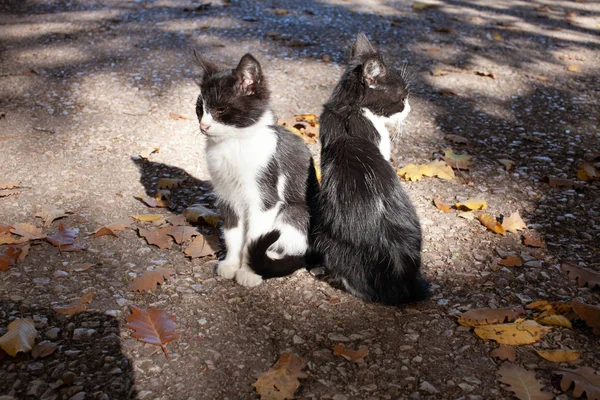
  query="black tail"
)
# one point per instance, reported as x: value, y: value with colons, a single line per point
x: 267, y: 267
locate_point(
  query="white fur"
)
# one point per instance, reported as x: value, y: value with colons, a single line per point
x: 381, y: 124
x: 235, y: 252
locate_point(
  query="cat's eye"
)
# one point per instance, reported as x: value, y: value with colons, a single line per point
x: 220, y: 110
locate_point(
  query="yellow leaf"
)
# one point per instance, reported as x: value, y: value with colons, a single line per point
x: 490, y: 222
x: 573, y: 68
x: 473, y: 203
x: 147, y: 217
x: 458, y: 161
x: 198, y: 212
x: 441, y: 206
x: 513, y: 223
x: 514, y: 334
x: 412, y: 172
x: 497, y: 36
x: 20, y: 337
x: 560, y: 355
x: 438, y: 168
x: 358, y: 356
x: 280, y: 382
x: 559, y: 320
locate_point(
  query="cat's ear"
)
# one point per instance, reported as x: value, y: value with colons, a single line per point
x: 362, y: 46
x: 249, y: 75
x: 373, y: 70
x: 206, y: 67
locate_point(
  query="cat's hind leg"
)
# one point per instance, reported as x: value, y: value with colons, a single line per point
x: 233, y: 232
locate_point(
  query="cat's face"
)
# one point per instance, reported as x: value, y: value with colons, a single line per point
x: 231, y: 100
x: 385, y: 90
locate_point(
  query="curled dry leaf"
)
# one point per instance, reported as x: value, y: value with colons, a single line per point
x: 513, y: 223
x: 169, y: 183
x: 437, y: 168
x: 150, y: 279
x: 560, y: 355
x: 522, y: 383
x: 153, y: 326
x: 111, y: 229
x: 533, y: 239
x: 9, y: 258
x: 50, y: 213
x: 20, y: 337
x: 358, y: 356
x: 153, y: 202
x: 75, y: 306
x: 441, y: 206
x: 584, y: 380
x: 156, y: 238
x: 203, y: 246
x: 589, y: 313
x: 557, y: 307
x: 558, y: 320
x: 567, y: 183
x: 488, y: 316
x: 43, y: 349
x: 473, y: 203
x: 583, y: 276
x: 491, y: 223
x: 514, y: 334
x: 457, y: 161
x: 511, y: 261
x: 505, y: 353
x: 281, y: 381
x: 198, y: 212
x: 63, y: 237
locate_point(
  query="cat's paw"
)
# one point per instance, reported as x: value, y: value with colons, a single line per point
x: 246, y: 277
x: 227, y: 269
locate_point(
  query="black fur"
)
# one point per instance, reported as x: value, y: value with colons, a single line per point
x: 367, y: 228
x: 265, y: 266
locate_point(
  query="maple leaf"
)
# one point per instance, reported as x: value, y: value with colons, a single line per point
x: 9, y: 258
x: 157, y: 238
x: 522, y: 383
x: 533, y: 239
x: 441, y: 206
x: 358, y: 356
x: 513, y: 223
x: 50, y: 213
x: 438, y: 168
x: 111, y: 229
x: 153, y: 326
x: 198, y: 212
x: 583, y: 276
x: 491, y: 223
x: 488, y: 316
x: 43, y: 349
x: 63, y: 237
x: 28, y: 231
x: 281, y: 381
x: 457, y: 161
x: 473, y: 203
x: 511, y: 261
x: 584, y: 380
x: 203, y: 246
x: 150, y: 279
x: 560, y: 355
x: 169, y: 183
x: 181, y: 233
x: 504, y: 353
x: 20, y: 337
x: 589, y: 313
x: 514, y: 334
x: 75, y: 306
x: 177, y: 220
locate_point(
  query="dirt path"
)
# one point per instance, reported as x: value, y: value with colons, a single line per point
x: 86, y: 87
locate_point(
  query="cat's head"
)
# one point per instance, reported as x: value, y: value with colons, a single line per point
x: 384, y: 90
x: 231, y: 99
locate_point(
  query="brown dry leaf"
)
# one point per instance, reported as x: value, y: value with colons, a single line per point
x: 9, y: 258
x: 473, y: 203
x: 63, y: 237
x: 511, y: 261
x: 20, y: 337
x: 558, y: 320
x: 439, y: 72
x: 418, y: 6
x: 75, y: 306
x: 491, y: 223
x: 560, y: 355
x: 24, y: 251
x: 281, y: 11
x: 177, y: 220
x: 9, y: 184
x: 573, y: 68
x: 513, y: 223
x: 6, y: 193
x: 489, y: 316
x: 441, y: 206
x: 150, y: 279
x: 522, y: 383
x: 83, y: 267
x: 584, y: 380
x: 557, y: 307
x: 414, y: 172
x: 146, y: 153
x: 514, y: 334
x: 175, y: 116
x: 588, y: 172
x: 448, y: 91
x: 148, y: 217
x: 457, y: 139
x: 304, y: 125
x: 281, y: 381
x: 50, y: 213
x: 43, y: 349
x: 486, y: 74
x: 28, y: 231
x: 358, y: 356
x: 111, y: 229
x: 560, y: 182
x: 203, y: 246
x: 181, y: 233
x: 583, y: 276
x: 153, y: 202
x: 589, y: 313
x: 457, y: 161
x: 508, y: 164
x: 504, y: 353
x: 157, y: 238
x: 169, y: 183
x: 533, y: 239
x: 153, y: 326
x: 197, y: 212
x: 7, y: 238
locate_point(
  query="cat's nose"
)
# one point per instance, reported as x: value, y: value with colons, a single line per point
x: 204, y: 127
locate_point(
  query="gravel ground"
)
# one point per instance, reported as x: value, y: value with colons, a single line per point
x: 86, y: 87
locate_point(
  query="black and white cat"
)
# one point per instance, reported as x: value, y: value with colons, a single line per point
x: 367, y: 230
x: 259, y: 171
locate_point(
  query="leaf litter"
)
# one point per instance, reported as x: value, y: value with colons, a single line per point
x: 281, y: 381
x: 153, y: 326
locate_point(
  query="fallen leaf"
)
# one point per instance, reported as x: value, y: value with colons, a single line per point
x: 20, y: 337
x: 281, y: 381
x: 146, y: 153
x: 457, y: 139
x: 198, y: 212
x: 558, y: 320
x: 418, y: 6
x: 443, y: 29
x: 533, y: 239
x: 9, y: 258
x: 150, y: 279
x: 439, y: 72
x: 63, y: 237
x: 8, y: 238
x: 504, y: 353
x: 181, y: 233
x: 28, y: 231
x: 448, y: 91
x: 497, y: 36
x: 457, y: 161
x: 169, y: 183
x: 522, y: 383
x: 281, y: 11
x: 514, y: 334
x: 473, y: 203
x: 175, y: 116
x: 489, y: 316
x: 303, y: 125
x: 6, y: 193
x: 567, y: 183
x: 177, y: 220
x: 486, y: 74
x: 153, y: 326
x: 43, y: 349
x: 75, y: 306
x: 573, y: 68
x: 111, y: 229
x: 9, y: 184
x: 50, y: 213
x: 584, y: 380
x: 24, y: 251
x: 358, y: 356
x: 560, y: 355
x: 491, y: 223
x: 438, y: 168
x: 513, y: 223
x: 583, y: 276
x: 468, y: 215
x: 589, y: 313
x: 83, y: 267
x: 148, y: 217
x: 588, y: 172
x: 511, y: 261
x: 153, y: 202
x: 558, y: 307
x: 508, y: 164
x: 203, y: 246
x: 441, y: 206
x: 156, y: 238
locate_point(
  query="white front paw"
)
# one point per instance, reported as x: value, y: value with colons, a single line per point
x: 227, y: 269
x: 246, y: 277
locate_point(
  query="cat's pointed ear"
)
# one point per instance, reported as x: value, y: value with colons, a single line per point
x: 362, y: 46
x: 373, y: 70
x: 206, y: 67
x: 249, y: 74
